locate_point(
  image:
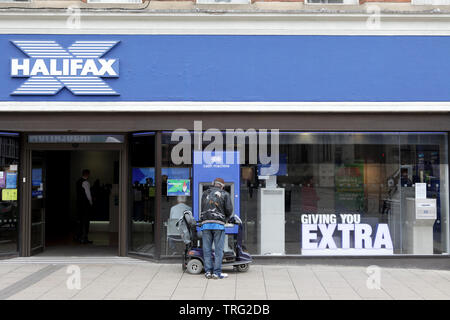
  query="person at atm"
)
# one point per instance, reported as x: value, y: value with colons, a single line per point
x: 216, y: 209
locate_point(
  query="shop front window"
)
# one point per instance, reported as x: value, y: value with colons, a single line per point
x: 143, y: 217
x: 9, y: 213
x: 424, y: 167
x: 333, y: 193
x: 175, y: 199
x: 355, y: 193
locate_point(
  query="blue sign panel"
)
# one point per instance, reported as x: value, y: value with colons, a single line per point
x: 36, y: 177
x: 281, y: 170
x: 209, y: 166
x: 224, y: 68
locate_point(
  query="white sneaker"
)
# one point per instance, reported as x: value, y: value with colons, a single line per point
x: 220, y: 276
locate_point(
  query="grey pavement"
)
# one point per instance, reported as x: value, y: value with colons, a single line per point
x: 127, y: 278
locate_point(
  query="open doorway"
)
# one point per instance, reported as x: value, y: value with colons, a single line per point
x: 54, y: 201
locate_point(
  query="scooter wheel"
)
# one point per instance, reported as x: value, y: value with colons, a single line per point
x: 243, y: 267
x: 194, y: 266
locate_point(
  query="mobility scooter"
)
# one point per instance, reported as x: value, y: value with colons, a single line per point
x: 193, y: 261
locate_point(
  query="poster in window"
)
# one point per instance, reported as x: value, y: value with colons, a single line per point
x: 2, y: 179
x: 349, y: 185
x: 9, y: 194
x: 11, y: 180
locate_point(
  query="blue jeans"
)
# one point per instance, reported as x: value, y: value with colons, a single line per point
x: 208, y: 237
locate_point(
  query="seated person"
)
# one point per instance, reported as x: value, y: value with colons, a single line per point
x: 176, y: 212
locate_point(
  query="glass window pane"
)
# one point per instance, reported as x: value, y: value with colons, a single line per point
x: 362, y: 181
x: 143, y: 188
x: 424, y: 160
x: 334, y: 174
x: 9, y: 213
x: 176, y: 197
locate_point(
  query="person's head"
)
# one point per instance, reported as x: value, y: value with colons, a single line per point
x: 219, y: 182
x: 85, y: 173
x: 181, y: 199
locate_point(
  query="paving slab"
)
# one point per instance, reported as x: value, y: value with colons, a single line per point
x: 154, y: 281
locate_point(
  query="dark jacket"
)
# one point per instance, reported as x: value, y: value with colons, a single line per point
x: 216, y: 206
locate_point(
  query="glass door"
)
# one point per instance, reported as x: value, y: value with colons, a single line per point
x: 142, y: 224
x: 37, y: 202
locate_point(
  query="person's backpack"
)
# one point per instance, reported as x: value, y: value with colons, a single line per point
x: 187, y: 227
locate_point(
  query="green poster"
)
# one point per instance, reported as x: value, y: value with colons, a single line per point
x: 349, y: 184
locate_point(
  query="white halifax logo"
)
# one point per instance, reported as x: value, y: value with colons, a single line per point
x: 79, y: 68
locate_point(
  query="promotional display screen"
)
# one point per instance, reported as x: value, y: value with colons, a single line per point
x: 140, y: 175
x: 178, y: 187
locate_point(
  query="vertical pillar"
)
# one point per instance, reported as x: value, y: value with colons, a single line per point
x: 158, y: 193
x: 123, y: 199
x: 446, y: 199
x: 24, y: 199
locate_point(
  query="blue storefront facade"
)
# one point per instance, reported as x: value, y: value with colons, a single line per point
x: 245, y: 68
x: 359, y: 124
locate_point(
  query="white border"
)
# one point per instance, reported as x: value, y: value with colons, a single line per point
x: 253, y: 23
x: 194, y: 106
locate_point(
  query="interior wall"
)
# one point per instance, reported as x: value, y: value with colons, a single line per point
x: 100, y: 164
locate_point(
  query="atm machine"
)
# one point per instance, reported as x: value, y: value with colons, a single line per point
x: 208, y: 166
